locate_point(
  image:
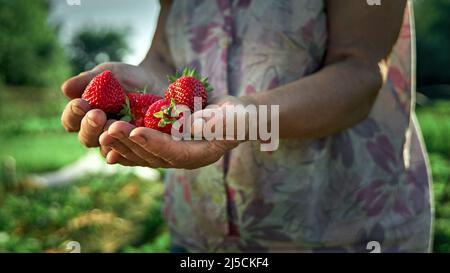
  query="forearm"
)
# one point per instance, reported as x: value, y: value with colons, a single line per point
x: 336, y: 97
x: 158, y: 62
x: 156, y: 68
x: 342, y: 93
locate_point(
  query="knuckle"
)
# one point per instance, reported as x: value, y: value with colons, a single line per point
x: 86, y: 141
x: 90, y: 144
x: 67, y: 127
x: 104, y: 151
x: 104, y: 66
x: 124, y: 153
x: 70, y: 130
x: 153, y: 162
x: 82, y: 140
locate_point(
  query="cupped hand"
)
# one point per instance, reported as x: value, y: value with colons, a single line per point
x: 127, y: 145
x: 90, y: 123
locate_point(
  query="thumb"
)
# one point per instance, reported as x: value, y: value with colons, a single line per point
x: 74, y: 87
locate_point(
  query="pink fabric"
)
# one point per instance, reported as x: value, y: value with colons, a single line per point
x: 369, y: 182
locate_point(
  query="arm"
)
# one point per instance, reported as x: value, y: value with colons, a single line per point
x: 158, y: 62
x: 342, y: 93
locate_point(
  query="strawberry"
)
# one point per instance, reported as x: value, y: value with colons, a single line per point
x: 161, y: 115
x: 187, y: 85
x: 136, y: 106
x: 105, y: 92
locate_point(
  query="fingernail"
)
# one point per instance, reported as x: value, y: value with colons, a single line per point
x: 77, y: 110
x: 138, y: 139
x: 91, y: 121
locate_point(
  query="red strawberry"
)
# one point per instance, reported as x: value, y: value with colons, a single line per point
x: 105, y: 92
x: 161, y: 115
x: 186, y: 86
x: 137, y: 105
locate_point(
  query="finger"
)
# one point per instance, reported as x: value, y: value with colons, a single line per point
x: 179, y: 154
x: 74, y: 87
x: 120, y: 131
x: 104, y: 150
x: 114, y: 157
x: 176, y: 153
x: 107, y: 140
x: 108, y: 124
x: 73, y: 113
x: 92, y: 127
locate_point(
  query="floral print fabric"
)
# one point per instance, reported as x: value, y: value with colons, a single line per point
x: 366, y: 183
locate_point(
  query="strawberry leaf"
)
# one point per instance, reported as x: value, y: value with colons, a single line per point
x: 188, y: 72
x: 162, y: 123
x: 126, y: 111
x: 126, y: 118
x: 159, y: 114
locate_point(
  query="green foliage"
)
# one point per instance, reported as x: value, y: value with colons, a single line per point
x: 435, y: 123
x: 103, y: 213
x: 92, y: 47
x: 29, y: 51
x: 441, y: 187
x: 433, y: 41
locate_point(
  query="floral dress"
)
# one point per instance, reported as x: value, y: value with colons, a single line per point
x: 367, y: 183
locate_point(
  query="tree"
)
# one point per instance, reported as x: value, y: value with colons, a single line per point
x: 91, y: 47
x: 433, y: 41
x: 29, y: 50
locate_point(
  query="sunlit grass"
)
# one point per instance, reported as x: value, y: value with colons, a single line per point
x: 41, y: 152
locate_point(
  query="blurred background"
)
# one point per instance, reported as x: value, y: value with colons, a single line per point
x: 54, y: 191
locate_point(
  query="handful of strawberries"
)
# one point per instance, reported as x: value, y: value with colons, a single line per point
x: 144, y: 109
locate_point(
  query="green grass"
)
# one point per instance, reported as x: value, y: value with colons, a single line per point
x: 434, y: 120
x: 31, y: 131
x: 42, y: 152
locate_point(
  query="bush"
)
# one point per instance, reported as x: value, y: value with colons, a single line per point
x: 92, y: 47
x: 435, y: 123
x: 433, y: 41
x: 103, y: 213
x: 29, y: 51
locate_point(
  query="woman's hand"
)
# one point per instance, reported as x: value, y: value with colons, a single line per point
x: 127, y: 145
x: 79, y: 117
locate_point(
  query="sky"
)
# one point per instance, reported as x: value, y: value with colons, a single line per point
x: 139, y: 16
